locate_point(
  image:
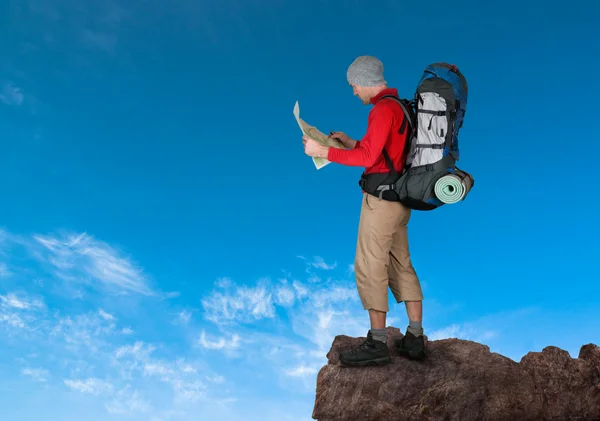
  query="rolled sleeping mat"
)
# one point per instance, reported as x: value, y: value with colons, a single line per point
x: 453, y: 188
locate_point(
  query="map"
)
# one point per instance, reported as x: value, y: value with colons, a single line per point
x: 315, y: 134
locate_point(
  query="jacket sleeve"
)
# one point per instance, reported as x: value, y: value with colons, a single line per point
x: 370, y: 147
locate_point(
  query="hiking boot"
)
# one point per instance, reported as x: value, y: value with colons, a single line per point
x: 411, y: 346
x: 370, y: 352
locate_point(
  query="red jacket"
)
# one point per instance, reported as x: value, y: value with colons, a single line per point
x: 385, y: 119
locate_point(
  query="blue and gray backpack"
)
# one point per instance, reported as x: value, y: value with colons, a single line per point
x: 434, y: 116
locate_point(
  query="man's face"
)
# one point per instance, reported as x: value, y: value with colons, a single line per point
x: 361, y: 93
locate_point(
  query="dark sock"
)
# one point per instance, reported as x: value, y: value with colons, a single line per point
x: 415, y: 328
x: 379, y: 334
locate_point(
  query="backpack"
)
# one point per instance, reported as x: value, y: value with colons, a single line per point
x: 430, y: 177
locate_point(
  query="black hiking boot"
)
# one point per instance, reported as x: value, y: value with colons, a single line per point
x: 411, y: 346
x: 370, y: 352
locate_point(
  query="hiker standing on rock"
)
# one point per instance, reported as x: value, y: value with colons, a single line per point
x: 382, y: 252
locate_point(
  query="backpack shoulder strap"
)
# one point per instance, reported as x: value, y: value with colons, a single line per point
x: 408, y: 116
x: 408, y: 120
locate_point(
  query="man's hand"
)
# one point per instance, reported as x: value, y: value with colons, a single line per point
x: 344, y: 139
x: 314, y: 148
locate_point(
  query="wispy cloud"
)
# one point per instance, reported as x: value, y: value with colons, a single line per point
x: 301, y: 371
x: 90, y: 353
x: 11, y: 300
x: 184, y: 379
x: 462, y: 331
x: 319, y: 263
x: 244, y: 304
x: 92, y: 386
x: 316, y: 313
x: 185, y: 317
x: 220, y: 343
x: 139, y: 351
x: 19, y: 312
x: 315, y: 267
x: 105, y: 315
x: 84, y: 332
x: 81, y: 258
x: 37, y: 374
x: 127, y: 331
x: 285, y: 296
x: 125, y: 376
x: 128, y: 401
x: 11, y: 94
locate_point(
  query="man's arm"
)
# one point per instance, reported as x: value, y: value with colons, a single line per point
x: 367, y: 151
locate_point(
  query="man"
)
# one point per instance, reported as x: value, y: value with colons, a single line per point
x: 382, y: 253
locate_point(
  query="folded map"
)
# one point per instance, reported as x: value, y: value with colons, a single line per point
x: 315, y: 134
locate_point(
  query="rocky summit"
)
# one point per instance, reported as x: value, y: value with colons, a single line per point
x: 460, y: 380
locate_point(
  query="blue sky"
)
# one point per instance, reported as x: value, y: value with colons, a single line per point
x: 168, y: 252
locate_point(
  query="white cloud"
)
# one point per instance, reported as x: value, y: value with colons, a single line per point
x: 127, y: 402
x: 189, y: 391
x: 302, y: 371
x: 301, y: 290
x: 37, y: 374
x: 463, y: 331
x: 13, y: 320
x: 91, y: 386
x: 20, y: 313
x: 81, y: 257
x: 224, y: 282
x: 334, y: 294
x: 139, y: 351
x: 221, y: 343
x: 185, y: 316
x: 285, y: 296
x: 105, y: 315
x: 317, y: 313
x: 11, y: 94
x: 243, y: 305
x: 84, y: 332
x: 319, y: 263
x: 314, y: 279
x: 11, y: 300
x: 215, y: 379
x: 183, y: 378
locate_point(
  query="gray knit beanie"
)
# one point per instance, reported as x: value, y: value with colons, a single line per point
x: 365, y: 71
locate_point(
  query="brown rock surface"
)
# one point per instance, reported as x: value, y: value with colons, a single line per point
x: 460, y: 380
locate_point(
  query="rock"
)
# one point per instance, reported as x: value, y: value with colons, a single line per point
x: 460, y: 380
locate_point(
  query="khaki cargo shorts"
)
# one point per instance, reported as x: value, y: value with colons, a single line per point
x: 382, y: 255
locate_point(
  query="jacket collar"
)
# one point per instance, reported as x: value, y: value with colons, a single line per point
x: 387, y: 91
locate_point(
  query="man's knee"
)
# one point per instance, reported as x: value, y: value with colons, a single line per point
x: 406, y: 288
x: 372, y: 283
x: 377, y: 303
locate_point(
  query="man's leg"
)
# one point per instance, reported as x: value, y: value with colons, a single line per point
x: 377, y: 319
x: 405, y: 286
x: 375, y: 236
x: 371, y: 267
x: 414, y: 310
